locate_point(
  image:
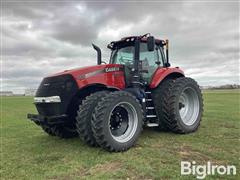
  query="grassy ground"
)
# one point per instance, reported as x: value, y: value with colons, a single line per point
x: 28, y: 153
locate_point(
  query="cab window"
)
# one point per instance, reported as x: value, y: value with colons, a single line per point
x: 123, y: 56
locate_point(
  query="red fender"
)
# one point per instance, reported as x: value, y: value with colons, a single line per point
x: 161, y: 73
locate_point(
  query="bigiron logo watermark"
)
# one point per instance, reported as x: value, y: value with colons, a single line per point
x: 201, y: 171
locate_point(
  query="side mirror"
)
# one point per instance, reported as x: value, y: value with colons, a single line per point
x: 150, y: 43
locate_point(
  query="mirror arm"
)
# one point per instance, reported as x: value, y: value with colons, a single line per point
x: 167, y: 57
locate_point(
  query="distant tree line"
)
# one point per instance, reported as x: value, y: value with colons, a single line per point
x: 226, y: 86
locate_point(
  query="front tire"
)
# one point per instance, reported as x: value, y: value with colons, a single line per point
x: 84, y: 116
x: 61, y: 131
x: 47, y: 129
x: 117, y: 121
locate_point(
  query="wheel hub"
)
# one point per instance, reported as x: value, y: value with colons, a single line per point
x: 123, y: 122
x: 189, y: 106
x: 181, y: 105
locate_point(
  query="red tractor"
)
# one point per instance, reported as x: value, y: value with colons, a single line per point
x: 108, y: 104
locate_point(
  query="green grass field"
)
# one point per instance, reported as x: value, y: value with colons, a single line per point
x: 28, y: 153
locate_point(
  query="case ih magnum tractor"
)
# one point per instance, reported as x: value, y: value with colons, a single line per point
x: 108, y: 104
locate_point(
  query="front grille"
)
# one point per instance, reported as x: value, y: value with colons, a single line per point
x: 64, y: 86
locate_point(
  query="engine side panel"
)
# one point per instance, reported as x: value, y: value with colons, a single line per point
x: 110, y: 79
x: 108, y: 74
x: 161, y: 73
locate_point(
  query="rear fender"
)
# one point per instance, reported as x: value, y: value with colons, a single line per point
x: 163, y: 73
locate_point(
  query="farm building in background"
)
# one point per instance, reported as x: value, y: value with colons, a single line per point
x: 6, y: 93
x: 30, y: 92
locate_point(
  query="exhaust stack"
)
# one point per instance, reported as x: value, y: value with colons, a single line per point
x: 99, y: 54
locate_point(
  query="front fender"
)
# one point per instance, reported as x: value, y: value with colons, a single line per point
x: 162, y: 73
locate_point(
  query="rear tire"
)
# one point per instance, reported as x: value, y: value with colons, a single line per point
x: 84, y: 116
x: 159, y: 99
x: 117, y: 121
x: 183, y: 106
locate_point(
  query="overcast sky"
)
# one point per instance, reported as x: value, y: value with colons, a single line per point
x: 41, y: 38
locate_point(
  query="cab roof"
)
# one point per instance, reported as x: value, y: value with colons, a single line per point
x: 130, y: 39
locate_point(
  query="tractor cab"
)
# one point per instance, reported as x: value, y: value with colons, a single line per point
x: 141, y: 56
x: 123, y: 52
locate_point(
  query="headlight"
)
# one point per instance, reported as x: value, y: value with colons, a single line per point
x: 50, y: 99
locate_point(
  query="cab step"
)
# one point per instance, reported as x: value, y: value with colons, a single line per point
x: 152, y: 125
x: 150, y: 108
x: 151, y: 116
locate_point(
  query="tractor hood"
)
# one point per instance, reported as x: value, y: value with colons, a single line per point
x: 66, y: 84
x: 89, y: 70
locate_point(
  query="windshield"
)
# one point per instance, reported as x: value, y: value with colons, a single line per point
x: 123, y: 56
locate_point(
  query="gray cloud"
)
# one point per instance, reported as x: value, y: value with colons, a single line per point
x: 41, y: 38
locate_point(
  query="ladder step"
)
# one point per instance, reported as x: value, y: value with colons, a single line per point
x: 152, y: 124
x: 149, y: 107
x: 151, y: 116
x: 148, y: 99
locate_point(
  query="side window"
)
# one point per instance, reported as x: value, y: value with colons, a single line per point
x: 148, y: 57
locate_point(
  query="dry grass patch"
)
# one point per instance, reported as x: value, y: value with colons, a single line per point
x: 188, y: 154
x: 106, y: 167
